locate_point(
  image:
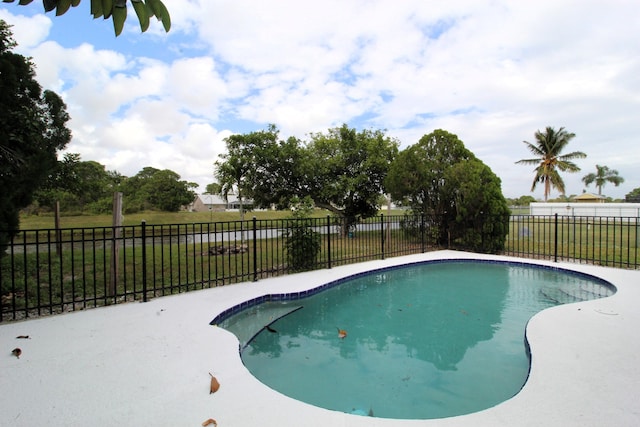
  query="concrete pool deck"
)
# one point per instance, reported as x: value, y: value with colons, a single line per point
x: 148, y: 364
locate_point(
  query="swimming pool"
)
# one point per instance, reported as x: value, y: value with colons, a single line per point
x: 422, y: 341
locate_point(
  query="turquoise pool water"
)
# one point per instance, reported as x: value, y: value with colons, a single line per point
x: 423, y: 341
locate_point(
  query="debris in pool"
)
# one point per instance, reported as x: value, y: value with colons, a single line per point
x: 370, y: 412
x: 23, y: 337
x: 270, y: 329
x: 341, y: 333
x: 215, y: 385
x: 209, y: 422
x: 16, y: 352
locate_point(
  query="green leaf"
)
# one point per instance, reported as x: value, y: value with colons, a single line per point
x: 49, y: 5
x: 143, y: 16
x: 166, y: 19
x: 96, y: 8
x: 155, y: 7
x: 150, y: 11
x: 119, y: 16
x: 107, y: 8
x: 63, y: 6
x: 21, y: 2
x: 75, y: 3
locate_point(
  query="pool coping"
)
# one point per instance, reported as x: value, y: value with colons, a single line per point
x: 149, y: 363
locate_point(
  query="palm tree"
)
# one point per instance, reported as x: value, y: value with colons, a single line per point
x: 602, y: 176
x: 547, y: 148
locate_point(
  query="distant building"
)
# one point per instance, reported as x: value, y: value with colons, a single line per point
x: 586, y: 209
x: 589, y: 198
x: 215, y: 203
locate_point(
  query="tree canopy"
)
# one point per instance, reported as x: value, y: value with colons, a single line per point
x: 459, y: 196
x: 116, y: 10
x: 79, y: 186
x: 633, y: 196
x: 601, y: 177
x: 213, y: 188
x: 524, y: 200
x: 549, y: 159
x: 245, y: 160
x: 341, y: 170
x: 348, y: 169
x: 153, y: 188
x: 87, y: 187
x: 32, y: 130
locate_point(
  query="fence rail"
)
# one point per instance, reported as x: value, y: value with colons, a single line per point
x: 605, y: 241
x: 44, y: 272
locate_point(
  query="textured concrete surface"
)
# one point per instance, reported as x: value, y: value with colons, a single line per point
x: 148, y: 364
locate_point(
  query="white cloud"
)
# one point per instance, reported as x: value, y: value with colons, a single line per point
x: 28, y: 31
x: 197, y: 86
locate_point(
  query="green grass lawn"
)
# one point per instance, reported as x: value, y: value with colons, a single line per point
x: 41, y: 222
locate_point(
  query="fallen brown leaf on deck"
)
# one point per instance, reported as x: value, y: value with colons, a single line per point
x: 209, y: 422
x: 215, y: 385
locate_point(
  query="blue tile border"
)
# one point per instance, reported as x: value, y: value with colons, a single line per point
x: 303, y: 294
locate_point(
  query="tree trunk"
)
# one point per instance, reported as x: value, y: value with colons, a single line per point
x: 344, y: 227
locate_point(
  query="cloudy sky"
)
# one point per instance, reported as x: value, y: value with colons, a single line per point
x: 490, y: 71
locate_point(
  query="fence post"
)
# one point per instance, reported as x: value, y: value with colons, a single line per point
x: 255, y: 250
x: 555, y: 238
x: 144, y: 261
x: 328, y: 241
x: 382, y: 233
x: 422, y: 232
x: 58, y: 229
x: 116, y: 233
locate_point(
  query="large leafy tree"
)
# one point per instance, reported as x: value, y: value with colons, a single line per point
x: 347, y: 169
x: 246, y: 158
x: 549, y: 160
x: 153, y: 188
x: 80, y: 186
x: 32, y: 130
x: 283, y: 173
x: 459, y: 196
x: 602, y: 176
x: 116, y: 10
x: 341, y: 170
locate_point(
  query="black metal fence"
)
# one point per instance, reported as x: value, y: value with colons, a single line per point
x: 598, y: 240
x: 51, y: 271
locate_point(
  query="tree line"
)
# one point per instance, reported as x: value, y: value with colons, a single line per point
x: 87, y: 187
x: 348, y: 172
